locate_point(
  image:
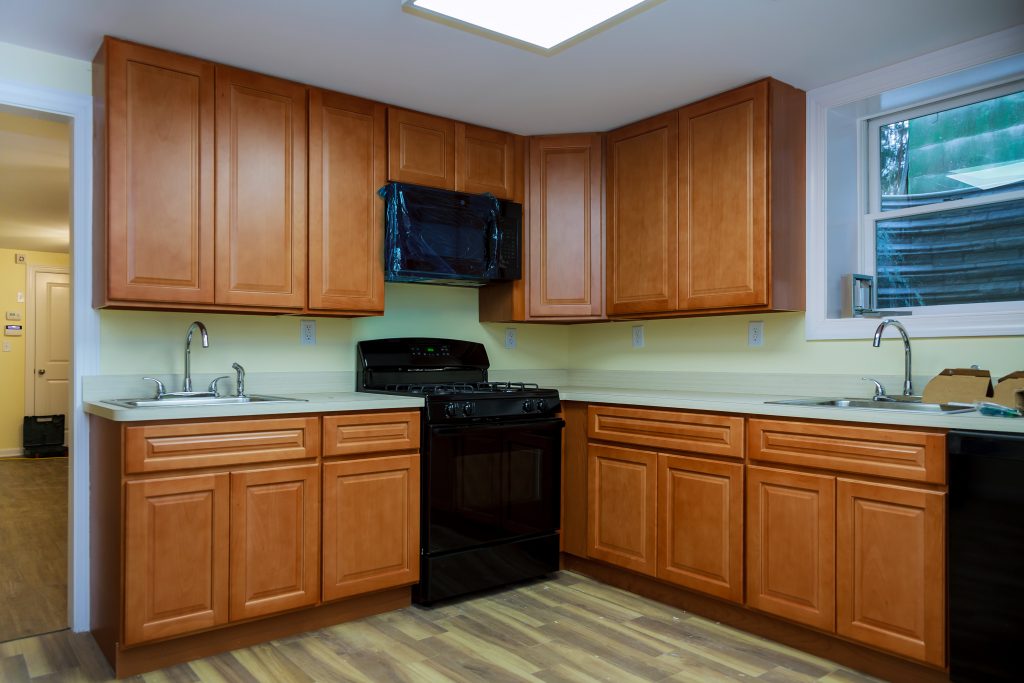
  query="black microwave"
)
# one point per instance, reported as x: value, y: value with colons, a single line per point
x: 450, y: 238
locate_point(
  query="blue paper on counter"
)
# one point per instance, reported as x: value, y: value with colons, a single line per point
x: 449, y: 237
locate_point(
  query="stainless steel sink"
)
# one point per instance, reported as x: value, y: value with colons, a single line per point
x: 869, y: 404
x: 177, y: 401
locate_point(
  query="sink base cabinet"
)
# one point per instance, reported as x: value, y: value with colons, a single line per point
x: 202, y: 542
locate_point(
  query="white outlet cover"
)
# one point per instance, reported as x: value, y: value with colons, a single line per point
x: 307, y: 332
x: 7, y: 347
x: 638, y: 336
x: 21, y: 297
x: 510, y: 337
x: 755, y: 333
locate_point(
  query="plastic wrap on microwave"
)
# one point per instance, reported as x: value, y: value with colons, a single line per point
x: 441, y: 236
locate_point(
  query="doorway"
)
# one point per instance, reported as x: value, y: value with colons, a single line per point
x: 35, y: 358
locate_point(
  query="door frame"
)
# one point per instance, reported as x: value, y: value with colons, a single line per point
x: 85, y: 326
x: 30, y: 332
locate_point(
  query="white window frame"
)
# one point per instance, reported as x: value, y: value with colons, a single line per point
x: 988, y: 319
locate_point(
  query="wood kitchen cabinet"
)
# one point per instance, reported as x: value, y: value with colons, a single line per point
x: 563, y: 264
x: 488, y: 160
x: 176, y: 556
x: 275, y: 540
x: 706, y: 208
x: 347, y: 165
x: 622, y: 498
x: 154, y: 176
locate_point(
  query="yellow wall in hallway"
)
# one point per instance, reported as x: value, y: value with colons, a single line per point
x: 142, y: 342
x: 719, y: 344
x: 12, y: 363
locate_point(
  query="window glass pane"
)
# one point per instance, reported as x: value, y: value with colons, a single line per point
x: 962, y: 256
x: 973, y: 150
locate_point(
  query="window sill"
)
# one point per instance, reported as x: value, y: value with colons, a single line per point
x: 1002, y: 323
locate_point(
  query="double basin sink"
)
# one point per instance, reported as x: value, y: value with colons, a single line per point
x: 198, y: 400
x: 908, y: 404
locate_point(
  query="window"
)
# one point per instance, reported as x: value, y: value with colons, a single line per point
x: 915, y: 177
x: 945, y: 219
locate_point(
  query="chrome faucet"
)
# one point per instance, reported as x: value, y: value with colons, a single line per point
x: 908, y: 389
x: 239, y: 379
x: 187, y: 387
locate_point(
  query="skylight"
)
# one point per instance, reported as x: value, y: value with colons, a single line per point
x: 541, y: 23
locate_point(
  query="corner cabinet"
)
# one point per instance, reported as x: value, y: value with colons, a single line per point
x: 706, y: 208
x: 207, y: 535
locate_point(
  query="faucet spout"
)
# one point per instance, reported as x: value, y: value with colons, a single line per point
x: 187, y: 386
x: 908, y: 389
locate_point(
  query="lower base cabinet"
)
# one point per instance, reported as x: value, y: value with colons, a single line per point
x: 622, y: 495
x: 371, y: 524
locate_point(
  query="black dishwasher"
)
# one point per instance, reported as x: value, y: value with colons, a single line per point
x: 986, y: 556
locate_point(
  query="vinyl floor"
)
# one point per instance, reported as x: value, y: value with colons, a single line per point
x: 564, y: 629
x: 33, y: 546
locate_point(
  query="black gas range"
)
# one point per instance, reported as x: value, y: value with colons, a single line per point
x: 490, y: 465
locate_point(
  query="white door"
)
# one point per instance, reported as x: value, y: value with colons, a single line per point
x: 51, y: 319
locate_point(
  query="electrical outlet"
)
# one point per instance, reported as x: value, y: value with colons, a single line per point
x: 7, y: 347
x: 20, y: 297
x: 638, y: 336
x: 510, y: 337
x: 755, y: 333
x: 307, y: 332
x: 19, y: 258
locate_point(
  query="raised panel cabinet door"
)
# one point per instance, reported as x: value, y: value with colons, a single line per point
x: 700, y: 525
x: 723, y: 205
x: 347, y: 165
x: 791, y: 555
x: 176, y: 556
x: 565, y: 269
x: 261, y: 190
x: 643, y: 234
x: 159, y: 156
x: 890, y: 574
x: 371, y: 524
x: 622, y: 495
x: 275, y: 540
x: 421, y: 149
x: 486, y: 161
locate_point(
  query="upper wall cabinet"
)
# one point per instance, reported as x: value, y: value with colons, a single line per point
x: 155, y: 150
x: 564, y: 236
x: 347, y: 164
x: 261, y: 190
x: 728, y: 235
x: 438, y: 152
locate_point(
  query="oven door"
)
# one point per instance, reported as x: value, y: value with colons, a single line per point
x: 490, y: 483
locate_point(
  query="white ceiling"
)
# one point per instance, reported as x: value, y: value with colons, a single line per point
x: 35, y: 181
x: 674, y: 52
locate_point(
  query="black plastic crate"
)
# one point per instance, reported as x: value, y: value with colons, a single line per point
x: 44, y: 435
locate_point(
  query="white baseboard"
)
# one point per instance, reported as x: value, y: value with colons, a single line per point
x: 11, y: 452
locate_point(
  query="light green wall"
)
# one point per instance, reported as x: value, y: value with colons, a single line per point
x: 141, y: 342
x: 719, y: 344
x: 43, y: 69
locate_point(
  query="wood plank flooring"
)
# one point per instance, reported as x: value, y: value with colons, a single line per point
x: 33, y: 546
x: 567, y: 629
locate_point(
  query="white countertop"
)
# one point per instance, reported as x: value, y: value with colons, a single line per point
x: 755, y: 404
x: 325, y: 402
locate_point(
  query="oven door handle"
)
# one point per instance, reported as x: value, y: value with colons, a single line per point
x: 475, y: 426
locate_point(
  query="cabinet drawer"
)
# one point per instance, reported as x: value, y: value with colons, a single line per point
x: 362, y: 433
x: 691, y: 432
x: 156, y: 448
x: 896, y: 453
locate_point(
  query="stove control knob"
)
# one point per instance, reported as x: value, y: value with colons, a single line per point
x: 467, y: 409
x: 451, y: 409
x: 542, y: 405
x: 528, y: 406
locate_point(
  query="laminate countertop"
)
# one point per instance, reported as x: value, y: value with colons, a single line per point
x: 736, y: 403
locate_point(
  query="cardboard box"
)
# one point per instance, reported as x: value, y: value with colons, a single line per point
x: 959, y: 385
x: 1010, y: 390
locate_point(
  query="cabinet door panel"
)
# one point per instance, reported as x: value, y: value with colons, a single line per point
x: 486, y: 161
x: 622, y: 496
x: 566, y: 235
x: 160, y: 126
x: 700, y: 525
x: 723, y: 253
x: 275, y: 538
x: 176, y: 556
x: 346, y: 217
x: 421, y: 149
x: 891, y: 568
x: 791, y: 545
x: 371, y: 524
x: 261, y: 190
x: 642, y: 225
